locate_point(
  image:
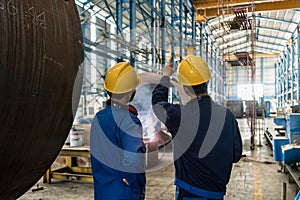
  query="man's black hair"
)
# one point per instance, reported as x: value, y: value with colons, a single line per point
x: 116, y: 96
x: 199, y: 89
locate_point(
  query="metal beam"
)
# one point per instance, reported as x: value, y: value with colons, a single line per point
x: 259, y: 7
x: 132, y: 30
x: 153, y: 49
x: 89, y: 44
x: 201, y: 39
x: 206, y: 50
x: 163, y: 32
x: 245, y: 48
x: 274, y: 29
x: 270, y: 43
x: 119, y: 19
x: 292, y: 63
x: 260, y: 42
x: 233, y: 42
x: 152, y: 7
x: 257, y: 55
x: 180, y: 28
x: 114, y: 18
x: 185, y: 28
x: 298, y: 43
x: 193, y: 28
x: 279, y: 5
x: 138, y: 22
x: 172, y: 31
x: 276, y: 20
x: 269, y: 36
x: 262, y: 70
x: 208, y: 4
x: 267, y: 48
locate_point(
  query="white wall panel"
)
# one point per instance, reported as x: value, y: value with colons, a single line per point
x: 264, y: 74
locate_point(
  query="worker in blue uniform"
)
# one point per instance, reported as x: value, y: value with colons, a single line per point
x: 117, y: 148
x: 206, y: 137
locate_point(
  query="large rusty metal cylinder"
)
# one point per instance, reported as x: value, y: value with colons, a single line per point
x: 40, y: 56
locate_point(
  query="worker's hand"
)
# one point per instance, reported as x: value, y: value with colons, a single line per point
x: 168, y: 69
x: 125, y: 181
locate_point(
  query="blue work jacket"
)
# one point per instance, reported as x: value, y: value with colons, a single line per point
x: 117, y: 152
x: 206, y: 139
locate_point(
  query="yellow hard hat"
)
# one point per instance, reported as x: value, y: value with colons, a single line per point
x: 121, y: 78
x: 193, y: 71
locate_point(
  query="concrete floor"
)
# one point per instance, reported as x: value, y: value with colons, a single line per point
x: 254, y: 177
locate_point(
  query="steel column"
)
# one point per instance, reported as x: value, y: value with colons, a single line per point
x: 185, y: 29
x: 112, y: 15
x: 282, y: 81
x: 281, y: 69
x: 222, y: 80
x: 180, y: 29
x: 262, y: 70
x: 293, y: 79
x: 132, y: 11
x: 84, y: 27
x: 163, y: 32
x: 288, y: 61
x: 236, y: 74
x: 193, y: 31
x: 276, y: 81
x: 215, y: 74
x: 211, y: 55
x: 119, y: 19
x: 286, y: 77
x: 298, y: 43
x: 147, y: 55
x: 206, y: 55
x: 119, y: 16
x: 172, y: 30
x: 201, y: 40
x: 292, y: 65
x: 153, y: 49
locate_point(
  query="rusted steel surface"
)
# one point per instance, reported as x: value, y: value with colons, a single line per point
x: 40, y: 56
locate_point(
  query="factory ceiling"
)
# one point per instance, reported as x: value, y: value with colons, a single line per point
x: 264, y: 27
x: 260, y: 28
x: 211, y: 7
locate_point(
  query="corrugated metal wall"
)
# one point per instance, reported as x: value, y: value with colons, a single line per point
x: 264, y: 74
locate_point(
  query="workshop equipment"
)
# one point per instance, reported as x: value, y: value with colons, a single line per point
x: 280, y: 121
x: 76, y: 137
x: 281, y: 126
x: 293, y: 127
x: 70, y: 169
x: 285, y: 147
x: 236, y: 107
x: 291, y: 153
x: 278, y: 142
x: 269, y: 136
x: 267, y: 107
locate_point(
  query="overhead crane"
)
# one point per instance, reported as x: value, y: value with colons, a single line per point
x: 211, y: 7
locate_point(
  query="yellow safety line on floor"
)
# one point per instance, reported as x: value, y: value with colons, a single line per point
x: 257, y: 184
